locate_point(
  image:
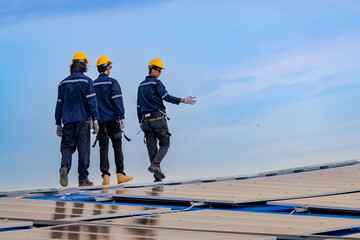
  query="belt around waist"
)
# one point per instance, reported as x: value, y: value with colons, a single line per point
x: 154, y: 119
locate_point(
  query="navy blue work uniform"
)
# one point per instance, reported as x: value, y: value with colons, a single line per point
x: 111, y: 110
x: 151, y: 113
x: 76, y: 103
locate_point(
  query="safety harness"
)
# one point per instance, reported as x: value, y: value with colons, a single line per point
x: 99, y: 138
x: 151, y: 117
x: 154, y: 119
x: 154, y: 116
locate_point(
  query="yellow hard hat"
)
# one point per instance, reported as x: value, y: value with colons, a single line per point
x: 156, y: 62
x: 103, y: 60
x: 80, y: 56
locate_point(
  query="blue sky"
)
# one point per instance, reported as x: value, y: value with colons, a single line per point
x: 276, y: 81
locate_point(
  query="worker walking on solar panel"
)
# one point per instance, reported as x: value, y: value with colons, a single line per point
x: 76, y: 106
x: 111, y: 120
x: 152, y: 116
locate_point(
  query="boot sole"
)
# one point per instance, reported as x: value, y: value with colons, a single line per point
x: 159, y: 174
x: 63, y: 177
x: 86, y: 184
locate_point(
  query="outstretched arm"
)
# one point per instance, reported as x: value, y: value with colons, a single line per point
x: 165, y: 95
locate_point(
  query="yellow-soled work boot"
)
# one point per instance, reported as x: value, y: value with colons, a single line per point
x: 123, y: 178
x: 106, y: 180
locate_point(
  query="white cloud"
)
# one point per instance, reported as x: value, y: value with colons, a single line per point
x: 297, y: 135
x: 306, y: 62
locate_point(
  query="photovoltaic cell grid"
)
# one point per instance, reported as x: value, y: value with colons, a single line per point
x: 202, y: 224
x: 83, y: 231
x: 305, y: 184
x: 44, y: 211
x: 4, y: 224
x: 161, y: 223
x: 344, y: 202
x: 72, y: 190
x: 240, y: 222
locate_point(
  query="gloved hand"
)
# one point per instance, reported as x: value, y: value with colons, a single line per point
x: 122, y: 123
x: 95, y: 127
x: 190, y: 100
x: 59, y: 130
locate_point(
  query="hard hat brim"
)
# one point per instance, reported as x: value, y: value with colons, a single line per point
x: 156, y: 66
x: 80, y: 60
x: 110, y: 63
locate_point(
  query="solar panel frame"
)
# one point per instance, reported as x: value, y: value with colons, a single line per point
x: 14, y: 224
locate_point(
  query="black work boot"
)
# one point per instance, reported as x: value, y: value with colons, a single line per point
x: 156, y: 171
x: 64, y: 176
x: 85, y: 183
x: 157, y: 179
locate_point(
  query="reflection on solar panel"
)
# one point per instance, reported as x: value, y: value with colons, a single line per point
x: 240, y: 222
x: 39, y: 192
x: 42, y: 211
x: 85, y: 231
x: 306, y: 184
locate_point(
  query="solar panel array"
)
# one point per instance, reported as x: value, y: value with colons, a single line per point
x: 73, y: 217
x: 83, y: 231
x: 235, y: 192
x: 240, y: 222
x: 57, y: 212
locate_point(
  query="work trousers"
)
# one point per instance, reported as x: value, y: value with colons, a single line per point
x: 76, y: 135
x: 113, y: 131
x: 156, y: 131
